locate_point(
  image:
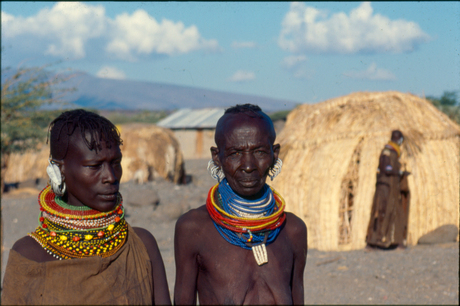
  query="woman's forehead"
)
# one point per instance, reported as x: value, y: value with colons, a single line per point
x: 254, y: 131
x: 79, y: 147
x: 247, y: 128
x: 240, y: 120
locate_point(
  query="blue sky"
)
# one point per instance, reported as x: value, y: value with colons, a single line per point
x: 304, y: 51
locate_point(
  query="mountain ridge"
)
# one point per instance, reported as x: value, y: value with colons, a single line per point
x: 114, y: 94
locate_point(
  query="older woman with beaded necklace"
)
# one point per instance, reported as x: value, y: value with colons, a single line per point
x: 241, y: 247
x: 83, y: 250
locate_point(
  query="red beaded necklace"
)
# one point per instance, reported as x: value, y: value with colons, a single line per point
x: 67, y: 232
x: 241, y: 224
x: 55, y: 206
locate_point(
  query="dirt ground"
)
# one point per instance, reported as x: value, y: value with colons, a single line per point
x: 422, y: 274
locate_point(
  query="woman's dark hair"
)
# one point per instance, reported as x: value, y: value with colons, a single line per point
x: 245, y: 108
x: 93, y: 129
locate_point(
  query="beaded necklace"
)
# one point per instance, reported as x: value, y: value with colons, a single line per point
x: 240, y: 207
x: 244, y: 223
x: 395, y: 147
x: 68, y: 232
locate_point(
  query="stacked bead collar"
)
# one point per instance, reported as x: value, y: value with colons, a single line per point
x: 252, y: 232
x: 67, y: 231
x: 240, y: 207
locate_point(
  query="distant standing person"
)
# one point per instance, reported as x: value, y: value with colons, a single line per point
x: 83, y: 250
x: 390, y: 208
x: 241, y: 247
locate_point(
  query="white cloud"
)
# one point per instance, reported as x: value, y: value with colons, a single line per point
x: 293, y: 60
x: 66, y: 29
x: 108, y: 72
x: 140, y: 33
x: 6, y: 18
x: 242, y: 76
x: 244, y: 44
x: 306, y: 29
x: 372, y: 73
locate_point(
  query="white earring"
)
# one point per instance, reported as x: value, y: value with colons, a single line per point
x: 215, y: 171
x: 276, y: 169
x: 56, y: 181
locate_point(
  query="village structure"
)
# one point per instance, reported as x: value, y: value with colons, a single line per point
x: 194, y: 129
x: 330, y: 156
x: 330, y: 152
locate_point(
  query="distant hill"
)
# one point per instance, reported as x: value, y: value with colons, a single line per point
x: 105, y: 94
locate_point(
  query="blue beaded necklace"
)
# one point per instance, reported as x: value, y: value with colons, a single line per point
x: 236, y: 205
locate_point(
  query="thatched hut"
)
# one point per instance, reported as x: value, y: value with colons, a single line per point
x: 149, y: 152
x: 30, y: 165
x: 330, y: 152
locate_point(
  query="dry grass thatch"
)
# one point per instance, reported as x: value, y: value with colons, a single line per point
x: 330, y: 153
x: 29, y: 165
x: 148, y: 152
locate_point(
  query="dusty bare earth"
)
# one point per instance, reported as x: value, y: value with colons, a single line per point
x: 422, y: 274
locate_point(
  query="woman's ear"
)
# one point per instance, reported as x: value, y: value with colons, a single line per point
x: 215, y: 156
x: 59, y: 163
x: 276, y: 152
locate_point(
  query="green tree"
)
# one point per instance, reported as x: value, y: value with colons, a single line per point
x: 448, y: 103
x: 24, y: 94
x: 144, y: 116
x: 281, y: 115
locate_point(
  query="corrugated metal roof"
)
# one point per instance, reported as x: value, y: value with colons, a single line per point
x: 187, y: 118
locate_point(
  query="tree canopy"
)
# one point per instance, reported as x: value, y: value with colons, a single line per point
x: 447, y: 103
x: 24, y: 94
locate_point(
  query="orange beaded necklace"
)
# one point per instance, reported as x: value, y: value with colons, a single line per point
x: 67, y: 232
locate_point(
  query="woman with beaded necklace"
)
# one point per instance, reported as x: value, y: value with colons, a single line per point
x: 241, y: 247
x: 83, y: 250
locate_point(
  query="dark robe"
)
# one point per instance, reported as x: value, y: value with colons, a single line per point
x: 389, y: 215
x: 123, y: 278
x: 405, y: 201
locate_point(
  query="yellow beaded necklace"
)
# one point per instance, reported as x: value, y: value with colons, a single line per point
x: 72, y: 235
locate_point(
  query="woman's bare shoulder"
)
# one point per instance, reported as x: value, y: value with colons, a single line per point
x: 194, y: 224
x: 193, y: 219
x: 30, y: 249
x: 295, y: 225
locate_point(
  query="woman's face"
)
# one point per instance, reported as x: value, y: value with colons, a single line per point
x: 245, y: 154
x: 92, y: 178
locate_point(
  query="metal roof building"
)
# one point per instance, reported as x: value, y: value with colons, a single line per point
x: 187, y: 118
x: 194, y: 129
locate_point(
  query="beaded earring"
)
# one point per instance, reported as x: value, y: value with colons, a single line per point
x: 276, y: 169
x: 215, y: 171
x: 56, y: 178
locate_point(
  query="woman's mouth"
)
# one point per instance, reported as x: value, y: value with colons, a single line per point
x: 109, y: 197
x: 248, y: 183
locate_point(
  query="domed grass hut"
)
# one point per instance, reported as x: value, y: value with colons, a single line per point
x: 149, y: 152
x: 330, y: 152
